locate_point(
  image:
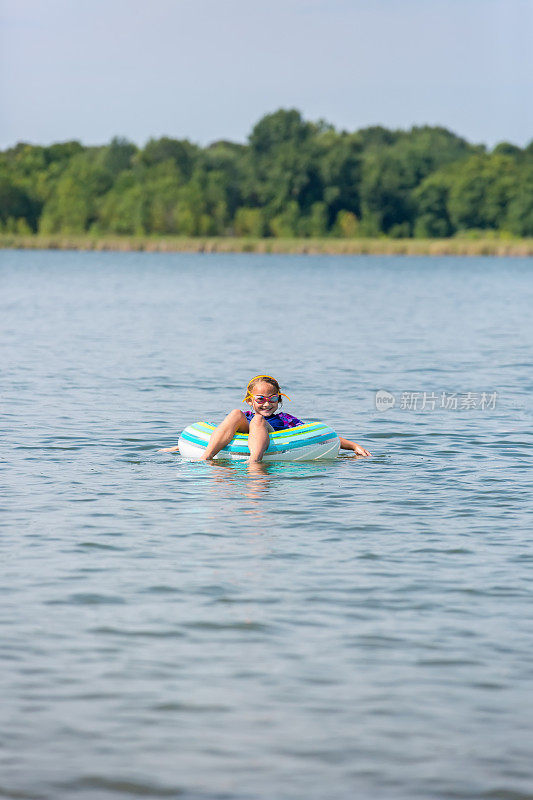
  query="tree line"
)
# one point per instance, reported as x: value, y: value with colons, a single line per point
x: 293, y: 178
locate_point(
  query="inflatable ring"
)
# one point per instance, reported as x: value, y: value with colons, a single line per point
x: 313, y: 441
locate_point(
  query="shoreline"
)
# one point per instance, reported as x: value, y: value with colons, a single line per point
x: 227, y: 244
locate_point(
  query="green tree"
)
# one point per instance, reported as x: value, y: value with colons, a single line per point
x: 292, y: 178
x: 431, y: 200
x: 249, y: 222
x: 162, y: 185
x: 16, y: 204
x: 181, y: 151
x: 286, y: 224
x: 378, y: 137
x: 117, y: 156
x: 346, y: 225
x: 481, y: 192
x: 225, y: 162
x: 507, y: 149
x: 385, y: 194
x: 340, y: 167
x: 519, y: 218
x: 316, y: 224
x: 125, y: 208
x: 72, y: 205
x: 282, y: 166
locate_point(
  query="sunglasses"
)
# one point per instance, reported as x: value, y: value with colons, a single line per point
x: 261, y: 398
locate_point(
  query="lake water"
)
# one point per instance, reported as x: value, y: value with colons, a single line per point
x: 325, y: 631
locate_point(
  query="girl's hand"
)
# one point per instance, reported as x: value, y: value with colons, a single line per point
x: 360, y: 451
x: 346, y: 444
x: 168, y: 450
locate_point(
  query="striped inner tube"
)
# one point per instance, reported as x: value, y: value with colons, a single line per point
x: 280, y: 441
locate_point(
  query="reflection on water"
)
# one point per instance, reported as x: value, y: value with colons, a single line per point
x: 248, y: 484
x: 359, y: 628
x: 234, y: 483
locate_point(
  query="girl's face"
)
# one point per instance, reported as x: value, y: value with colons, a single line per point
x: 265, y: 407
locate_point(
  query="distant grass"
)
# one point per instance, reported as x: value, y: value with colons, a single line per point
x: 218, y: 244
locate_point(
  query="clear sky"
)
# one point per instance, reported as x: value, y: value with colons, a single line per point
x: 209, y: 69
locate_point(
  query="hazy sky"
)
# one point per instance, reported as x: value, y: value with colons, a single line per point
x: 209, y: 69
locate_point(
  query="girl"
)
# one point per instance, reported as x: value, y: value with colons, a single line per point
x: 263, y: 395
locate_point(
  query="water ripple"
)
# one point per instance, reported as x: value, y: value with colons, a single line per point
x: 355, y: 629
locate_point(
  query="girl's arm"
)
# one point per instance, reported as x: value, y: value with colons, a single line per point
x: 168, y: 449
x: 357, y: 449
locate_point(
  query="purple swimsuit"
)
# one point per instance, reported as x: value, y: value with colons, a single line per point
x: 278, y: 421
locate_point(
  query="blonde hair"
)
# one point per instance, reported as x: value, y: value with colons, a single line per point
x: 266, y: 379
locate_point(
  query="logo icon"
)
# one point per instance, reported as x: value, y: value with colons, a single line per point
x: 384, y: 400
